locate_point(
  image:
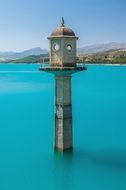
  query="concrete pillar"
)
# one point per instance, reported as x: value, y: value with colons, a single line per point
x: 63, y: 113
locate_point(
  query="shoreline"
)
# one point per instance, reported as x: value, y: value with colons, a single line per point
x: 104, y: 64
x: 108, y: 64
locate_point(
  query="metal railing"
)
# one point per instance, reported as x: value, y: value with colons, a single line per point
x: 44, y: 62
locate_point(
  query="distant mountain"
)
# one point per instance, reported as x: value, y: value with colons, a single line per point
x: 32, y: 59
x: 17, y: 55
x: 87, y: 50
x: 101, y: 48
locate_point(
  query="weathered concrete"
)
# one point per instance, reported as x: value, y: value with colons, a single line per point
x: 63, y: 65
x: 63, y: 113
x: 63, y: 57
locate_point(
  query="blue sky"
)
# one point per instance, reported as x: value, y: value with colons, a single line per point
x: 27, y: 23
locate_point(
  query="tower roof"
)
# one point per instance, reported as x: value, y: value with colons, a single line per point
x: 62, y: 30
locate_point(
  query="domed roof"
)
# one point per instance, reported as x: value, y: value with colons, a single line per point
x: 63, y: 31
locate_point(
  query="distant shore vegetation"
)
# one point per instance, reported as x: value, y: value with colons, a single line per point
x: 107, y: 57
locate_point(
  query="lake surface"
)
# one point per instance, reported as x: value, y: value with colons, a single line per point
x: 27, y: 159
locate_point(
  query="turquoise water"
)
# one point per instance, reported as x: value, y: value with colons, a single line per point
x: 27, y: 159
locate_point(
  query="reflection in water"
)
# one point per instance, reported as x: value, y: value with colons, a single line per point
x: 84, y: 168
x: 63, y: 170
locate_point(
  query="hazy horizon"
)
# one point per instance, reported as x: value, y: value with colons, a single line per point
x: 47, y: 49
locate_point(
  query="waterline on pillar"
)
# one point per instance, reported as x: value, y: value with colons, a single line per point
x: 60, y: 150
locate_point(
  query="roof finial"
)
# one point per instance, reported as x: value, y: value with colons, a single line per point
x: 62, y: 22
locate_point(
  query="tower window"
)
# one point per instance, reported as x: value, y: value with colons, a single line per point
x: 69, y: 47
x: 56, y: 46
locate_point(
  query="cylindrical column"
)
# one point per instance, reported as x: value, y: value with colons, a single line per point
x: 63, y: 113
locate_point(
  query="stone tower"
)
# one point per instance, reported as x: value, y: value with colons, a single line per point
x: 63, y: 65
